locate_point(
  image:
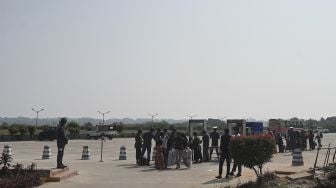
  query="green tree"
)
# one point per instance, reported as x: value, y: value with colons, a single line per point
x: 23, y: 130
x: 13, y: 129
x: 4, y: 125
x: 88, y: 126
x: 119, y: 126
x: 32, y: 130
x: 73, y: 128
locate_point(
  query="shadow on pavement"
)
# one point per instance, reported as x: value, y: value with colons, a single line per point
x: 217, y: 181
x: 129, y: 165
x: 149, y: 170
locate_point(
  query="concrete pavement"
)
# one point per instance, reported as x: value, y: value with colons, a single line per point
x: 115, y: 173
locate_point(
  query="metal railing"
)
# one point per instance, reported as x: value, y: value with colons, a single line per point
x: 326, y: 157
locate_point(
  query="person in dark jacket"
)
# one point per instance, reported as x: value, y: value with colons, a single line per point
x: 147, y: 144
x: 298, y: 142
x: 197, y: 148
x: 303, y: 139
x: 236, y: 163
x: 280, y: 143
x: 225, y: 154
x: 180, y: 145
x: 214, y: 141
x: 62, y: 140
x: 206, y: 141
x: 311, y: 140
x: 292, y: 138
x: 171, y: 140
x: 318, y: 138
x: 157, y: 135
x: 138, y: 146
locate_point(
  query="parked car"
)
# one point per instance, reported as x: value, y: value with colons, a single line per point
x: 103, y: 130
x: 48, y: 134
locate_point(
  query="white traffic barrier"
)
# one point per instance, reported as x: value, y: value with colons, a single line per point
x: 46, y: 152
x: 297, y: 158
x: 86, y: 153
x: 8, y: 151
x: 122, y: 154
x: 187, y: 157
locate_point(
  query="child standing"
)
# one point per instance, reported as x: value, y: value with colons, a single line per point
x: 159, y: 158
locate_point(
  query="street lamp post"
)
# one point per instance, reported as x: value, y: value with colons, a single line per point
x: 37, y: 113
x: 153, y: 116
x: 103, y: 115
x: 191, y: 116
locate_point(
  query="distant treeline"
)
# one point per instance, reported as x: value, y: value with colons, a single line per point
x: 328, y: 123
x: 75, y: 128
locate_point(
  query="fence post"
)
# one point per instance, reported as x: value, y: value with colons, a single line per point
x: 318, y: 151
x: 101, y: 148
x: 329, y: 150
x: 334, y: 155
x: 327, y: 156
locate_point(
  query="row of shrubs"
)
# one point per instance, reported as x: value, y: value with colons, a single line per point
x: 22, y: 130
x: 17, y: 176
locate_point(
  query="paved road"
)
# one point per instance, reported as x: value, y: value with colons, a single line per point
x: 115, y: 173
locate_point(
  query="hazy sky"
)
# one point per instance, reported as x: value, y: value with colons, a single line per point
x: 261, y: 59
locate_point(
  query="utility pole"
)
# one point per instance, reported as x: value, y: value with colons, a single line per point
x: 153, y: 116
x: 103, y: 115
x: 37, y: 114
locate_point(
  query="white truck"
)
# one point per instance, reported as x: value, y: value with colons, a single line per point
x: 321, y: 130
x: 103, y: 130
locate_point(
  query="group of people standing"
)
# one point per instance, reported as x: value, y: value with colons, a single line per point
x: 196, y: 142
x: 298, y: 139
x: 202, y: 150
x: 164, y: 142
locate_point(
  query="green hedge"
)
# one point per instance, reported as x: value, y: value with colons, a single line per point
x: 252, y: 151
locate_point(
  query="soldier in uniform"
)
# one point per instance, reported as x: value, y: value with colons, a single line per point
x: 138, y: 146
x: 214, y: 141
x: 206, y: 140
x: 62, y: 140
